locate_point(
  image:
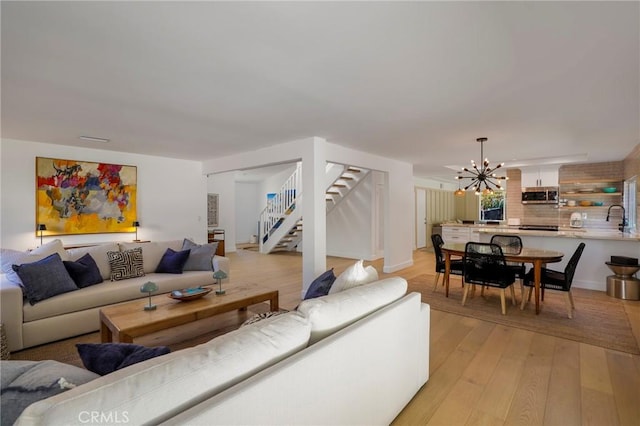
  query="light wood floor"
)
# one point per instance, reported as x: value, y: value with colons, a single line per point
x: 480, y: 372
x: 484, y: 373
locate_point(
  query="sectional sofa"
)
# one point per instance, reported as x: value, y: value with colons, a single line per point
x: 353, y: 357
x: 76, y: 312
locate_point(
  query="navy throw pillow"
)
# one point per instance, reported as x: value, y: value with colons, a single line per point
x: 44, y: 279
x: 172, y: 261
x: 84, y: 271
x: 321, y: 285
x: 105, y: 358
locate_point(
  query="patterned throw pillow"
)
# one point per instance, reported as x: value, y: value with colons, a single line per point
x: 263, y: 316
x: 125, y: 264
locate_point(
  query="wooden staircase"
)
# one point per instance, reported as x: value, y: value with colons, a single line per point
x: 341, y: 186
x: 281, y: 221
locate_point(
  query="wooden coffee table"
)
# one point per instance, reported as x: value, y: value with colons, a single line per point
x: 129, y: 320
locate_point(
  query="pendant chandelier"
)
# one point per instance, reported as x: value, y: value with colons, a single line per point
x: 483, y: 176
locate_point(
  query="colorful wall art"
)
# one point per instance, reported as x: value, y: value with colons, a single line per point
x: 82, y: 197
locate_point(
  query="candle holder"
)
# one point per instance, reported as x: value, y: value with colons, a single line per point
x: 219, y: 275
x: 149, y: 287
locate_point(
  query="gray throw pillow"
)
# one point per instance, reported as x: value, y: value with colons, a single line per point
x: 200, y: 256
x: 125, y: 264
x: 44, y: 279
x: 26, y: 382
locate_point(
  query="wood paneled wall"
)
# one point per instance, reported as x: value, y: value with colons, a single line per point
x: 440, y: 208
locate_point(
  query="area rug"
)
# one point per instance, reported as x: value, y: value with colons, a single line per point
x: 598, y: 319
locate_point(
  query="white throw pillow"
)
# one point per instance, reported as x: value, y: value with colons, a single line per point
x: 354, y: 276
x: 10, y: 257
x: 151, y: 254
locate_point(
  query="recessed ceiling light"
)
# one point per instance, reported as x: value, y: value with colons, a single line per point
x: 93, y: 139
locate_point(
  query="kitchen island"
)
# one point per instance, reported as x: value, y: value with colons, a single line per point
x: 600, y: 244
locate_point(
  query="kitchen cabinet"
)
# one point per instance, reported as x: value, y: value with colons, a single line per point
x: 539, y: 176
x: 459, y: 234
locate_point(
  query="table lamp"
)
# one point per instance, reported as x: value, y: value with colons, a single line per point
x: 219, y: 275
x: 41, y: 227
x: 149, y: 287
x: 135, y: 225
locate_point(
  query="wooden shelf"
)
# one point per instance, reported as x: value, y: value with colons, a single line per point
x: 588, y: 181
x: 590, y: 194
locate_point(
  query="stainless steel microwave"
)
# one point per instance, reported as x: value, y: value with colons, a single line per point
x: 540, y: 195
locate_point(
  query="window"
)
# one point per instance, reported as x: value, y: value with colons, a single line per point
x: 492, y: 206
x: 630, y: 202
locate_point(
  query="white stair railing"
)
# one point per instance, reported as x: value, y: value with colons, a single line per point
x: 281, y: 205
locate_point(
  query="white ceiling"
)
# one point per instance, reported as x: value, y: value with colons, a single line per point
x: 415, y: 81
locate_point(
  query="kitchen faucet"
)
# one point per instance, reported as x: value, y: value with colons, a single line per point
x: 624, y: 218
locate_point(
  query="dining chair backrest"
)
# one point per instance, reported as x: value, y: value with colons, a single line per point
x: 438, y: 242
x: 511, y: 244
x: 484, y: 263
x: 570, y: 269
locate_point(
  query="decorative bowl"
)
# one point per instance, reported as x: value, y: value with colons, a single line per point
x: 609, y: 189
x: 585, y: 203
x: 598, y: 203
x: 186, y: 294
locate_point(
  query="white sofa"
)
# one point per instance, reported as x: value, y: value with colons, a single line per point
x: 355, y: 357
x: 77, y: 312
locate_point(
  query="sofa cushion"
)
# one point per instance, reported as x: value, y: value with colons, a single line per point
x: 330, y: 313
x: 125, y: 264
x: 353, y: 276
x: 99, y: 255
x: 25, y: 382
x: 9, y: 257
x: 83, y: 271
x: 152, y: 252
x: 108, y: 293
x: 105, y: 358
x: 172, y: 262
x: 45, y: 278
x: 201, y: 255
x: 321, y: 285
x: 157, y: 389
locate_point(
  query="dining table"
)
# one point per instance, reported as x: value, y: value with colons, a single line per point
x: 536, y: 256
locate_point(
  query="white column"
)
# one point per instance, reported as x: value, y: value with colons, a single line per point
x: 314, y: 219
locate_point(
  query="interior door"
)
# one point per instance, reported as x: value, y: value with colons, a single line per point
x: 421, y: 218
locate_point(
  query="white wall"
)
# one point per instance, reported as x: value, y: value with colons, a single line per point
x: 248, y: 203
x: 172, y: 202
x: 398, y: 195
x: 350, y: 225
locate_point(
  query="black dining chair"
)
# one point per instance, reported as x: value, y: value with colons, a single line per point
x: 512, y: 244
x: 456, y: 265
x: 556, y: 280
x: 484, y: 264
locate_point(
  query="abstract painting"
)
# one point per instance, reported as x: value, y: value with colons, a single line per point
x: 82, y: 197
